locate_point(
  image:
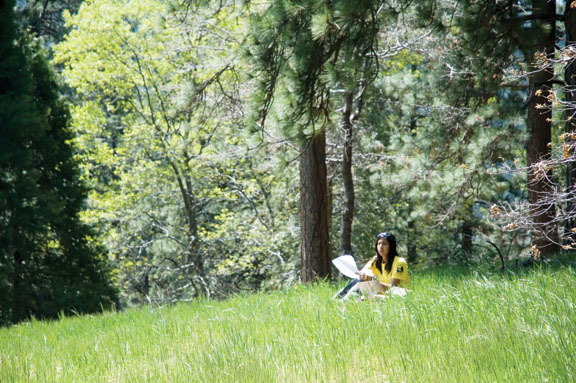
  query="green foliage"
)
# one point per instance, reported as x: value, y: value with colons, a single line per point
x: 429, y: 156
x: 189, y: 201
x: 177, y: 185
x: 454, y: 326
x: 44, y: 19
x: 49, y: 260
x: 301, y: 51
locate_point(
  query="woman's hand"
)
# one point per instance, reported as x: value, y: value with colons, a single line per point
x: 364, y: 276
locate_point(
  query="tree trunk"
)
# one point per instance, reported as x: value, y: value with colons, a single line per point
x: 330, y: 193
x: 411, y: 244
x: 539, y: 124
x: 190, y: 205
x: 467, y: 245
x: 348, y: 180
x: 570, y: 96
x: 18, y: 303
x: 315, y: 245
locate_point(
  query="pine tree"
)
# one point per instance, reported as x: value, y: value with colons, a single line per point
x: 49, y: 261
x: 302, y: 50
x: 539, y: 124
x: 517, y: 36
x: 570, y: 97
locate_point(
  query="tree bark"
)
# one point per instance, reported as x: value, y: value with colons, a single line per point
x: 315, y: 243
x: 539, y: 124
x: 348, y: 180
x: 330, y: 169
x: 18, y: 304
x: 570, y: 96
x: 411, y: 244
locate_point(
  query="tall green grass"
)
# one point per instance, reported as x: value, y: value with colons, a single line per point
x: 455, y: 327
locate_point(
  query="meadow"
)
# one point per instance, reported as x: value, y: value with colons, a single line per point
x: 454, y: 326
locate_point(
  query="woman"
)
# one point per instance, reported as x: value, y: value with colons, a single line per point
x: 387, y: 267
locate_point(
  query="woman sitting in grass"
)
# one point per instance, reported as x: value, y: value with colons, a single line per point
x: 387, y: 267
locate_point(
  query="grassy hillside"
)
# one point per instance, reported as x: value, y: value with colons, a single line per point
x: 453, y: 327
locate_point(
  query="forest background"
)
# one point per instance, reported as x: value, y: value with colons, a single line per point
x: 158, y: 151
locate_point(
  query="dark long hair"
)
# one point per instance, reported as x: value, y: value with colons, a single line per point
x: 393, y: 253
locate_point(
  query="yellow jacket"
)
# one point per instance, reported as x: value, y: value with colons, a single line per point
x: 399, y: 271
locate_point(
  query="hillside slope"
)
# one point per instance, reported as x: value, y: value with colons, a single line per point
x: 453, y: 326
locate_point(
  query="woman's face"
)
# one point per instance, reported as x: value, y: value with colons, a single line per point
x: 383, y: 247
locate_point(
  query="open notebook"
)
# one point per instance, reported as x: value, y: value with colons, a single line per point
x: 375, y: 287
x: 370, y: 287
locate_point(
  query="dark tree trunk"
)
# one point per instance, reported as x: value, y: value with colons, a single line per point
x: 330, y: 194
x: 467, y: 233
x: 411, y: 244
x: 190, y: 204
x: 570, y: 96
x: 190, y: 208
x: 348, y: 180
x: 18, y: 284
x: 545, y: 234
x: 315, y: 245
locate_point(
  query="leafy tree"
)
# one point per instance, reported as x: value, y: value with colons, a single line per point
x: 49, y: 261
x: 179, y: 189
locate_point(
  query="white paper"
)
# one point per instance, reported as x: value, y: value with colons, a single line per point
x: 346, y: 265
